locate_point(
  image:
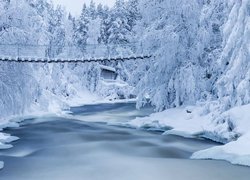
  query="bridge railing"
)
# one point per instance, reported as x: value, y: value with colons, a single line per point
x: 70, y: 52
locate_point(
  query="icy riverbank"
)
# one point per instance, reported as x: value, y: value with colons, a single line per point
x: 60, y: 148
x: 55, y: 109
x: 5, y: 139
x: 230, y: 128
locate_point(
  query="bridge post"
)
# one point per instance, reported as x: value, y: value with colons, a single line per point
x: 18, y: 51
x: 141, y: 48
x: 108, y: 51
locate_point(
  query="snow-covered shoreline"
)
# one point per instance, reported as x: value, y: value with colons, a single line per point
x: 6, y: 139
x: 13, y: 121
x: 230, y: 128
x: 188, y: 122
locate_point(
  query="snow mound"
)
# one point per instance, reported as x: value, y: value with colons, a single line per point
x: 236, y: 152
x: 230, y: 128
x: 1, y: 165
x: 5, y: 139
x: 179, y: 120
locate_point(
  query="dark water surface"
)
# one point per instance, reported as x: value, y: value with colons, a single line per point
x: 67, y: 149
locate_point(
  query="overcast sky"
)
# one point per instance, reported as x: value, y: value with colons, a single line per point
x: 75, y: 6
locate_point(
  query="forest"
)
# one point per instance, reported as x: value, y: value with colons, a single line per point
x: 197, y: 80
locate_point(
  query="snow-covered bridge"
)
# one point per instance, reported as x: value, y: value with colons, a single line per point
x: 71, y: 54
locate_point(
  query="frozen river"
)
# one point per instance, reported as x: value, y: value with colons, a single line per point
x: 68, y: 149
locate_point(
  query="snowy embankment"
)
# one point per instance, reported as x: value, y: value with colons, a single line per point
x: 230, y: 128
x: 5, y: 139
x: 55, y: 107
x: 50, y: 104
x: 236, y: 151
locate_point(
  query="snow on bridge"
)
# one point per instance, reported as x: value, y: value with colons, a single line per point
x: 71, y: 54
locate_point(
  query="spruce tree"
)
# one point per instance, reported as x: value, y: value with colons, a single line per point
x: 81, y: 29
x: 57, y: 32
x: 119, y: 29
x: 133, y: 13
x: 105, y: 25
x: 92, y: 10
x: 100, y: 10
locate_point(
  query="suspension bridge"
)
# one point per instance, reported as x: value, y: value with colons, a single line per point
x: 24, y: 53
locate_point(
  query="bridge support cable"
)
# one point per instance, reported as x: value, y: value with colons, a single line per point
x: 71, y: 54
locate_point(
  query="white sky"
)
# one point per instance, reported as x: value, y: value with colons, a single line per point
x: 75, y: 6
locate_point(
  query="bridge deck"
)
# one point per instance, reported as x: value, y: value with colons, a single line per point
x: 60, y: 60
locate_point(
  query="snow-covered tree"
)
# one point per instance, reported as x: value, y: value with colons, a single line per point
x: 92, y: 12
x: 133, y: 13
x: 99, y: 10
x: 57, y: 32
x: 105, y: 25
x: 119, y: 29
x: 81, y: 29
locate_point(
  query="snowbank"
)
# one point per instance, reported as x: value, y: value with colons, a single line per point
x: 178, y: 120
x: 5, y: 139
x: 43, y: 108
x: 1, y: 164
x: 230, y: 128
x: 238, y: 151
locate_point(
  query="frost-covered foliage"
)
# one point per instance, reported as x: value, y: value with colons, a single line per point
x: 38, y: 23
x: 17, y: 82
x: 183, y: 37
x: 202, y: 53
x: 19, y: 23
x: 196, y: 55
x: 17, y: 88
x: 233, y: 85
x: 41, y: 87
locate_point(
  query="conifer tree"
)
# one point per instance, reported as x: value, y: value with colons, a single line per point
x: 119, y: 29
x: 81, y: 29
x: 57, y: 31
x: 92, y: 10
x: 133, y: 13
x: 105, y: 25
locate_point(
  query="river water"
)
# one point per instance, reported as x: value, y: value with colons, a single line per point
x: 54, y: 148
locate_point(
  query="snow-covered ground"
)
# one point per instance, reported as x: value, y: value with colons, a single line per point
x: 238, y: 150
x: 230, y: 128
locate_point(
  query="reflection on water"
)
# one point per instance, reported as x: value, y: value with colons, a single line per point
x: 62, y: 149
